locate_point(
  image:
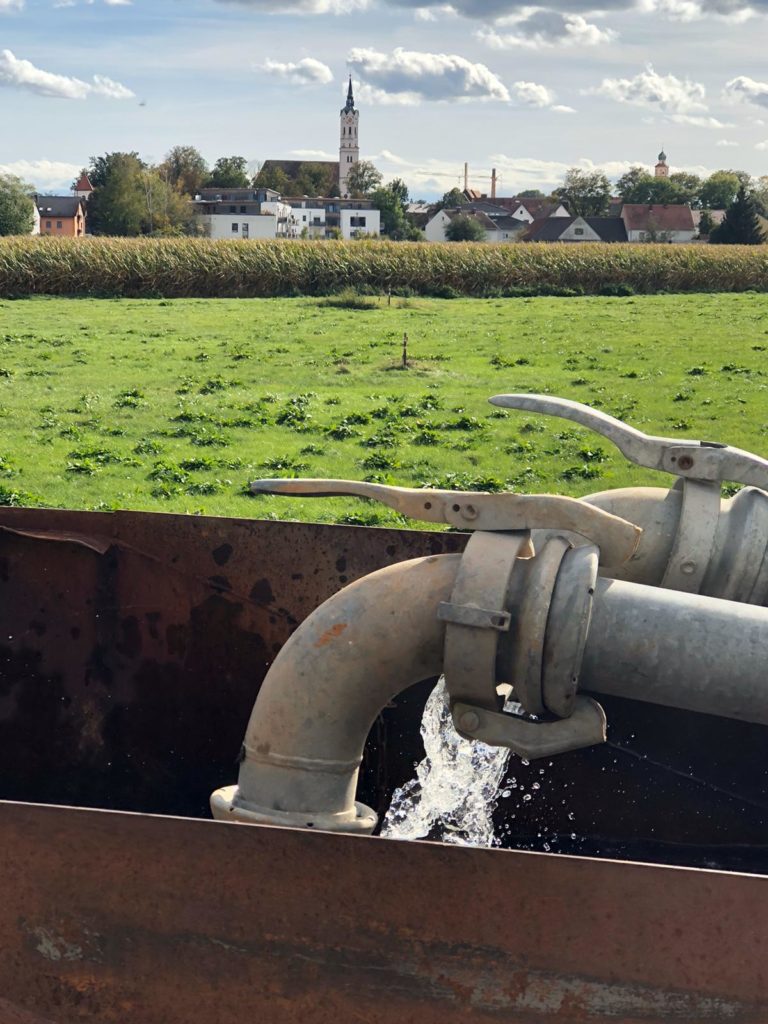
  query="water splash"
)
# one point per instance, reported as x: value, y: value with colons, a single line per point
x: 454, y: 794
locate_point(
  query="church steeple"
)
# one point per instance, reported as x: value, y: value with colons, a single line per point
x: 349, y: 146
x: 662, y: 168
x: 350, y: 104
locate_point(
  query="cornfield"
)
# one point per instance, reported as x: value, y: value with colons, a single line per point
x: 174, y: 268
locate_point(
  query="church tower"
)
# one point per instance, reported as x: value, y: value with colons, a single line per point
x: 662, y: 168
x: 349, y: 147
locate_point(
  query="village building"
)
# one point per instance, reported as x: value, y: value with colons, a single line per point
x: 658, y: 222
x: 576, y: 229
x: 661, y: 169
x: 244, y: 213
x: 63, y: 216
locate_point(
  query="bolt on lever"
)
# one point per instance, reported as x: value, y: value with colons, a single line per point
x: 616, y: 538
x: 692, y: 460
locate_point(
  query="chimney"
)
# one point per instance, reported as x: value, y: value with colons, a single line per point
x: 493, y: 183
x: 466, y: 176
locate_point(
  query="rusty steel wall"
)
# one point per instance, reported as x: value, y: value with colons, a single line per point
x: 133, y: 646
x: 128, y: 919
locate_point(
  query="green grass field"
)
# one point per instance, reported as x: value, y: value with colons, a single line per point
x: 175, y: 405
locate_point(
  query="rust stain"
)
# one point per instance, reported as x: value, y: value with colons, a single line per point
x: 331, y: 634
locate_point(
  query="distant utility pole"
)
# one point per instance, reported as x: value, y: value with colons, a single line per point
x: 405, y: 351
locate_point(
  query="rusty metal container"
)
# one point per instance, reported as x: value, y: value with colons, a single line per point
x: 131, y: 650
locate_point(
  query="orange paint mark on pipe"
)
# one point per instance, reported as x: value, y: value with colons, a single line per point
x: 331, y: 634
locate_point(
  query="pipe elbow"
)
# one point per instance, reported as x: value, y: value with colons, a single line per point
x: 305, y: 738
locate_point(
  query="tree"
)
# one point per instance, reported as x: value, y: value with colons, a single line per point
x: 131, y: 198
x: 313, y: 180
x: 362, y: 179
x: 719, y: 190
x: 274, y: 177
x: 463, y: 228
x: 706, y: 223
x: 585, y: 193
x: 760, y: 195
x: 118, y: 203
x: 688, y: 187
x: 185, y: 169
x: 741, y: 225
x: 229, y: 172
x: 392, y: 202
x: 453, y: 198
x: 633, y: 186
x: 531, y: 193
x: 16, y: 207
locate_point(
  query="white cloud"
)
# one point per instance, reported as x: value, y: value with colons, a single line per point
x: 22, y: 74
x: 301, y: 6
x: 747, y: 90
x: 679, y: 100
x: 409, y: 76
x: 532, y: 94
x: 307, y: 71
x: 313, y: 154
x: 10, y: 5
x: 724, y: 143
x: 542, y: 28
x: 45, y: 175
x: 761, y: 146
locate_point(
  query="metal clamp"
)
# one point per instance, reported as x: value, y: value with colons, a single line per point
x: 617, y: 538
x: 534, y: 640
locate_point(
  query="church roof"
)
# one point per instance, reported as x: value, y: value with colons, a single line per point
x: 662, y: 157
x: 83, y: 184
x: 349, y: 106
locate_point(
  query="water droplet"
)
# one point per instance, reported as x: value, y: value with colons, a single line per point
x: 536, y: 785
x: 527, y: 797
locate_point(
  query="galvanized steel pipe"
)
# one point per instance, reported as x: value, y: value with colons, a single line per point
x: 680, y: 650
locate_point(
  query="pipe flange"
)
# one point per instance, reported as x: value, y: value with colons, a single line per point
x: 570, y: 613
x: 227, y: 806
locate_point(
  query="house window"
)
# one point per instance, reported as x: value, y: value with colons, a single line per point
x: 242, y: 209
x: 234, y: 229
x: 233, y: 209
x: 245, y: 231
x: 357, y: 222
x: 47, y: 223
x: 58, y: 225
x: 578, y: 231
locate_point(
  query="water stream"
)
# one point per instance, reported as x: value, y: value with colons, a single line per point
x: 454, y: 794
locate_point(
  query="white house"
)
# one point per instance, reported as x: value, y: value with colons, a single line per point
x: 660, y: 222
x: 357, y: 221
x: 497, y: 223
x: 244, y: 213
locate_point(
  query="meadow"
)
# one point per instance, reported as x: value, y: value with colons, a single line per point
x: 175, y: 405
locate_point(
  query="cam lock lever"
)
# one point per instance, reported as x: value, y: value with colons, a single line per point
x: 700, y: 466
x: 616, y: 538
x: 693, y: 460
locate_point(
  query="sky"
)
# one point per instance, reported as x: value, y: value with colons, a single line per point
x: 528, y: 90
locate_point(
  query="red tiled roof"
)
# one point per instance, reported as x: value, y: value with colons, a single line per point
x: 83, y: 184
x: 644, y: 216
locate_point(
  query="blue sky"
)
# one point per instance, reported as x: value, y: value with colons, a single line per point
x: 528, y: 89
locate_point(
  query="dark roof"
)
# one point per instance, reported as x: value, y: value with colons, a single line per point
x: 59, y: 206
x: 547, y: 229
x: 478, y: 215
x: 510, y: 223
x: 610, y: 229
x: 551, y: 229
x: 660, y: 217
x: 482, y: 206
